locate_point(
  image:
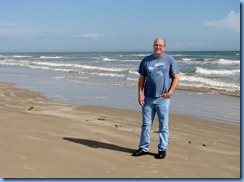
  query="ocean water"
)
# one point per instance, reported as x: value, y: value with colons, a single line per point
x: 110, y: 79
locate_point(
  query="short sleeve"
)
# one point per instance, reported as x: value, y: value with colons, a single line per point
x: 174, y: 69
x: 142, y: 69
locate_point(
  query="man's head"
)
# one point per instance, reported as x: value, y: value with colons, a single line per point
x: 159, y: 46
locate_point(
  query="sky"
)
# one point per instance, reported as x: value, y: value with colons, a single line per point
x: 118, y: 25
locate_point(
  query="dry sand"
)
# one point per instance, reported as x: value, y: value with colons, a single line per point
x: 40, y: 138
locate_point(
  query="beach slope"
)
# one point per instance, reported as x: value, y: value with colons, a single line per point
x: 40, y: 138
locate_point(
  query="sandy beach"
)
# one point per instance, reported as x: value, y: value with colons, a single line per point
x: 40, y: 138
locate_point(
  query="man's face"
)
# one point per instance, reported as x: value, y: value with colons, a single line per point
x: 159, y: 47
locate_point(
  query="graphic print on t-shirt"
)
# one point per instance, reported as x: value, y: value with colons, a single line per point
x: 156, y: 69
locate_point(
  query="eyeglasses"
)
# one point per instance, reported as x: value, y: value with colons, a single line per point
x: 158, y: 45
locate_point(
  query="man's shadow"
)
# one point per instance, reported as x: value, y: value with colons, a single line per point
x: 97, y: 144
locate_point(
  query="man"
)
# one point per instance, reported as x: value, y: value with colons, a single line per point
x: 159, y: 77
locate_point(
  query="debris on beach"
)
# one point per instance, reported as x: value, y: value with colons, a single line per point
x: 30, y: 108
x: 117, y: 126
x: 102, y: 119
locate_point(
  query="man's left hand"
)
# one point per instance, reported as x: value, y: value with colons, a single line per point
x: 166, y: 95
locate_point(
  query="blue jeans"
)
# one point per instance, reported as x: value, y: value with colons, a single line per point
x: 151, y: 106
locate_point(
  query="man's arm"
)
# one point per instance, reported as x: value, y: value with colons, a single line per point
x: 173, y: 86
x: 141, y: 82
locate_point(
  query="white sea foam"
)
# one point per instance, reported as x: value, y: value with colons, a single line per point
x: 204, y: 71
x: 132, y: 79
x: 228, y: 62
x: 190, y: 61
x: 108, y: 59
x: 186, y: 59
x: 131, y: 61
x: 197, y: 81
x: 59, y: 66
x: 108, y: 74
x: 10, y: 64
x: 38, y: 67
x: 89, y: 67
x: 51, y: 57
x: 21, y: 56
x: 53, y: 64
x: 134, y: 72
x: 117, y: 60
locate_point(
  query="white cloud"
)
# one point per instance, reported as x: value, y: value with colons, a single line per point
x: 14, y: 30
x: 9, y: 29
x: 92, y: 35
x: 230, y: 22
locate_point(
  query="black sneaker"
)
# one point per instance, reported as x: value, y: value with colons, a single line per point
x: 160, y: 155
x: 139, y: 152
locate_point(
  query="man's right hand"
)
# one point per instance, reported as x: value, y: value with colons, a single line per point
x: 141, y: 101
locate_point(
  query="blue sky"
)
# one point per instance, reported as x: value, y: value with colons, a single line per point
x: 118, y: 25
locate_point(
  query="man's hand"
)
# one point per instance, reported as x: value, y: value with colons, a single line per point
x: 166, y: 95
x: 141, y: 101
x: 141, y: 82
x: 173, y: 86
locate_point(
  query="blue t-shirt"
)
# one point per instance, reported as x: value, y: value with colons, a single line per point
x: 158, y: 73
